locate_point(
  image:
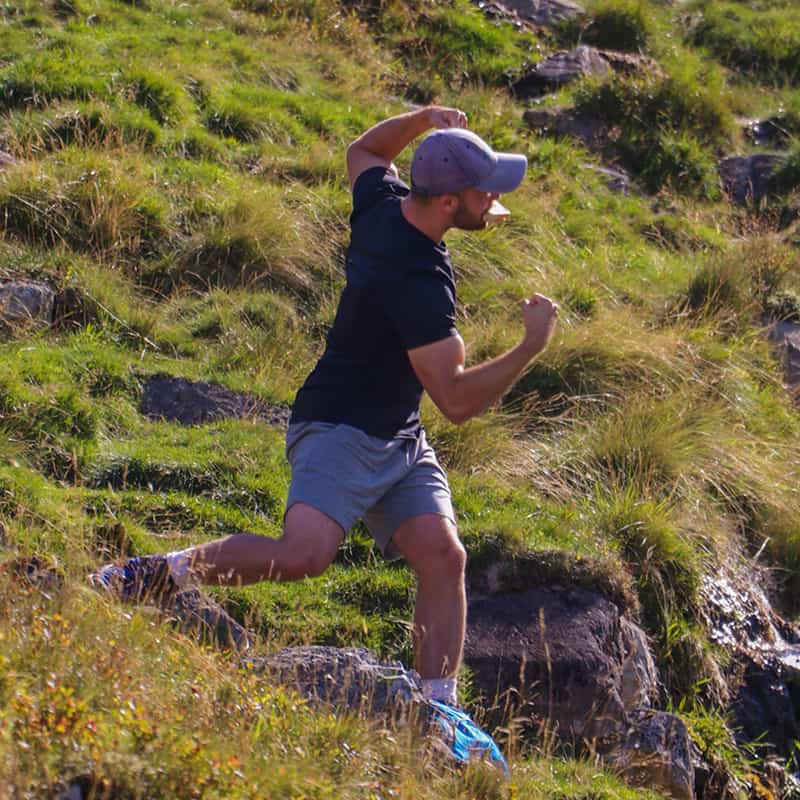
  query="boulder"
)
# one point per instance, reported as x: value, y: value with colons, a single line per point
x: 347, y: 678
x: 560, y: 69
x: 25, y: 304
x: 562, y: 652
x: 655, y: 751
x: 564, y: 660
x: 746, y: 179
x: 546, y: 13
x: 194, y: 402
x: 568, y: 66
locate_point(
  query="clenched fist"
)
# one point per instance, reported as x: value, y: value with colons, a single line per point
x: 443, y: 117
x: 539, y: 314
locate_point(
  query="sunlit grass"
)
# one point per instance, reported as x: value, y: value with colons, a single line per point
x: 181, y: 184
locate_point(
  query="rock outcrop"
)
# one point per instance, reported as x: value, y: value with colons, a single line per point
x: 763, y: 671
x: 195, y: 402
x: 615, y: 178
x: 565, y: 661
x: 196, y: 613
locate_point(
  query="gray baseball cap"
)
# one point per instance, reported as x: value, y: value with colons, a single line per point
x: 450, y: 160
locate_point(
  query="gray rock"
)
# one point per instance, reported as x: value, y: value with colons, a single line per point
x: 561, y: 69
x: 655, y: 752
x: 561, y: 652
x: 498, y: 12
x: 786, y: 335
x: 541, y: 12
x: 560, y: 121
x: 195, y: 402
x: 351, y: 678
x: 564, y: 660
x: 565, y: 67
x: 25, y: 304
x: 639, y: 677
x: 747, y: 178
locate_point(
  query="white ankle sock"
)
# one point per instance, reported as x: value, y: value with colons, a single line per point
x: 180, y: 566
x: 441, y: 689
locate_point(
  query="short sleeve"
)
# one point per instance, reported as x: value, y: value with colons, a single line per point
x: 373, y: 185
x: 420, y: 308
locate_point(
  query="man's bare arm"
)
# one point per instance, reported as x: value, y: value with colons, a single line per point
x: 382, y: 143
x: 463, y: 393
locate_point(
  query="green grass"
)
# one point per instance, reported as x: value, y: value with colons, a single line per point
x: 181, y: 184
x: 763, y: 40
x: 668, y: 124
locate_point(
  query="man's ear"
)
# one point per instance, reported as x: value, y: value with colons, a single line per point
x: 448, y: 202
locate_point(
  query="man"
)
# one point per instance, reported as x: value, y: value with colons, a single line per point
x: 355, y: 443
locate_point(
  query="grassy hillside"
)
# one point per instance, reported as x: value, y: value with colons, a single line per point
x: 179, y: 178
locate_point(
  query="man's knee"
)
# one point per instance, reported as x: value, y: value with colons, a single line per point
x: 442, y: 557
x: 453, y: 559
x: 309, y: 542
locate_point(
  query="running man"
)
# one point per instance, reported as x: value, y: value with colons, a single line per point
x: 355, y: 443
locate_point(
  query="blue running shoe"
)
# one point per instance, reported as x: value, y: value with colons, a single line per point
x: 464, y: 739
x: 145, y: 579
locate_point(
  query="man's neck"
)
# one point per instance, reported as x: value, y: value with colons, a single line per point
x: 423, y: 219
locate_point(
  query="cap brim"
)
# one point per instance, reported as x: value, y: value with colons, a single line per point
x: 507, y: 175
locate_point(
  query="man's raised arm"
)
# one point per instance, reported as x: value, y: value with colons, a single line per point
x: 463, y: 393
x: 382, y: 143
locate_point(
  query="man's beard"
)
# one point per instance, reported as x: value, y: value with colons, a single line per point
x: 466, y: 220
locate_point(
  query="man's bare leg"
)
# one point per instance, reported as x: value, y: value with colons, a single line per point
x: 430, y: 545
x: 309, y: 544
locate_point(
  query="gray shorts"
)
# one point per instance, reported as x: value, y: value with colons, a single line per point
x: 349, y: 475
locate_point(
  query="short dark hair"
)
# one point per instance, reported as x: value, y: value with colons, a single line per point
x: 421, y: 197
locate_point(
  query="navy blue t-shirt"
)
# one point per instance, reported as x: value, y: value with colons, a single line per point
x: 400, y: 294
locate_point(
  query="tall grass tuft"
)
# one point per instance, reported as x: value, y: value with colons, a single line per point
x: 85, y: 201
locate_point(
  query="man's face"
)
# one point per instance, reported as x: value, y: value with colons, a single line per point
x: 472, y: 205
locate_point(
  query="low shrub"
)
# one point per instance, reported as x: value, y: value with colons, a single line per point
x: 668, y: 126
x: 613, y: 24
